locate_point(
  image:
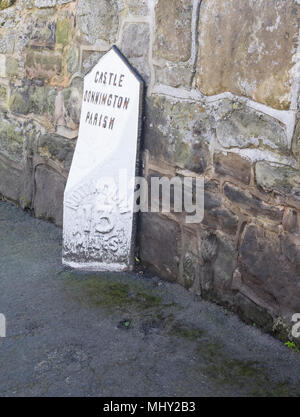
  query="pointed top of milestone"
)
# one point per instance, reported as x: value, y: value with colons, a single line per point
x: 117, y: 57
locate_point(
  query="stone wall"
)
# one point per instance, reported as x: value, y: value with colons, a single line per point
x: 222, y: 101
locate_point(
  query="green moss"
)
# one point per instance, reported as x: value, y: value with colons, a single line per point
x: 58, y: 147
x: 292, y: 346
x: 62, y: 31
x: 43, y: 63
x: 50, y: 62
x: 42, y: 100
x: 25, y: 203
x: 185, y: 331
x: 11, y: 139
x: 51, y: 101
x: 280, y: 329
x: 10, y: 134
x: 72, y: 59
x: 3, y: 94
x: 188, y: 282
x: 182, y: 151
x: 247, y: 376
x: 18, y: 103
x: 30, y: 58
x: 38, y: 100
x: 110, y: 293
x: 4, y: 4
x: 66, y: 93
x: 12, y: 67
x: 244, y: 376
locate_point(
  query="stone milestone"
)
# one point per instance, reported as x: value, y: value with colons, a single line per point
x: 99, y: 220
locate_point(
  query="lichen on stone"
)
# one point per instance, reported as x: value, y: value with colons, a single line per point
x: 4, y: 4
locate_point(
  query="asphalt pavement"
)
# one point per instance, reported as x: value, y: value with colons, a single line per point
x: 75, y: 334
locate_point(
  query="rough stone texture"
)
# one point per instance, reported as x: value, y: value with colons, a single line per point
x: 135, y: 46
x: 56, y: 148
x: 32, y: 99
x: 191, y: 261
x: 12, y: 139
x: 98, y: 19
x: 245, y: 150
x: 224, y: 265
x: 172, y: 49
x: 173, y: 30
x: 12, y: 68
x: 251, y: 203
x: 12, y: 180
x: 2, y: 66
x: 217, y: 216
x: 135, y: 41
x: 6, y: 3
x: 290, y: 220
x: 248, y: 48
x: 7, y: 42
x: 233, y: 165
x: 138, y: 7
x: 237, y: 126
x: 290, y: 245
x: 276, y: 282
x: 19, y: 102
x: 42, y: 31
x: 72, y: 107
x: 252, y: 313
x: 43, y: 65
x: 49, y: 192
x: 45, y: 3
x: 50, y: 3
x: 174, y: 74
x: 3, y: 95
x: 164, y: 254
x: 90, y: 61
x: 277, y: 177
x: 219, y: 262
x: 63, y: 31
x: 15, y: 162
x: 178, y: 133
x: 296, y: 143
x: 72, y: 59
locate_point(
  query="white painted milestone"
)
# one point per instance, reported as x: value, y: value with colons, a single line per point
x: 99, y: 219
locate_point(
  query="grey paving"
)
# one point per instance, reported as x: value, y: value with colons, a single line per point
x: 71, y: 334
